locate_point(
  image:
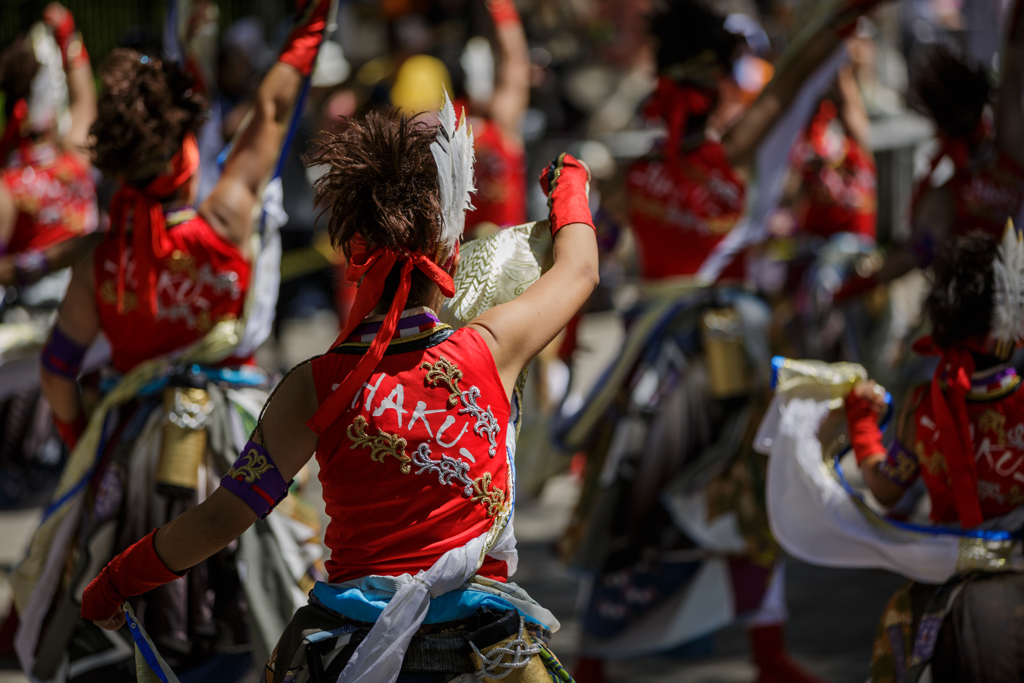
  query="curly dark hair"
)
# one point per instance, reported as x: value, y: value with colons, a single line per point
x: 146, y: 107
x: 18, y: 66
x: 685, y: 28
x: 961, y: 297
x: 952, y: 89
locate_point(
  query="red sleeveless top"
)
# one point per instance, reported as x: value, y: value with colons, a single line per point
x: 679, y: 215
x: 500, y: 171
x: 55, y: 197
x: 996, y: 415
x: 417, y: 464
x: 202, y: 282
x: 987, y: 191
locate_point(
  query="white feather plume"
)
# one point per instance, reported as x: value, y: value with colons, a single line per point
x: 1008, y: 276
x: 453, y: 154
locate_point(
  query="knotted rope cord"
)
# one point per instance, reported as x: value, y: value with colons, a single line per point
x: 519, y: 650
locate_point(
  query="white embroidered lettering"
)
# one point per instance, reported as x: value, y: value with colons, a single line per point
x: 448, y: 422
x: 370, y: 395
x: 394, y: 401
x: 466, y: 454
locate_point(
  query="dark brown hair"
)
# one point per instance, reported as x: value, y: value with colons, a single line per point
x: 953, y: 90
x: 685, y: 28
x: 381, y: 186
x: 960, y: 300
x: 146, y: 107
x: 381, y: 182
x: 18, y: 66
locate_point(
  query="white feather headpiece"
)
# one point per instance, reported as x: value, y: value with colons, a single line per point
x: 1008, y: 281
x: 453, y: 154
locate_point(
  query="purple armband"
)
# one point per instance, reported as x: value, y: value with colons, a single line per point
x: 256, y: 480
x: 62, y: 356
x: 30, y: 266
x: 900, y: 465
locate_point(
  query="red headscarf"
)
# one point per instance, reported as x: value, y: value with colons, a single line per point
x: 149, y: 229
x: 959, y: 152
x: 674, y: 103
x: 370, y: 269
x: 953, y: 426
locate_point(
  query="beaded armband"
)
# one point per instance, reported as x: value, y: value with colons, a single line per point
x: 900, y: 465
x: 256, y: 480
x: 62, y: 355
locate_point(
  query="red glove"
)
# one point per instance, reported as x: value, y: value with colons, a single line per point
x: 862, y: 423
x: 72, y: 49
x: 566, y: 182
x: 70, y: 432
x: 304, y: 41
x: 133, y: 572
x: 503, y: 12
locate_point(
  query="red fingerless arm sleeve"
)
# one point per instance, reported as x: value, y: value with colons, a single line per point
x: 134, y: 572
x: 566, y: 182
x: 862, y: 422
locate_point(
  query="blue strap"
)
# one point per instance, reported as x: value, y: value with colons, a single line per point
x: 143, y: 645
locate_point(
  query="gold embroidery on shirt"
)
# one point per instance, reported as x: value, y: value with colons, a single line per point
x: 991, y: 421
x: 493, y: 499
x: 934, y: 464
x: 444, y: 371
x: 181, y: 262
x: 382, y: 445
x: 255, y: 466
x: 902, y: 470
x: 108, y: 295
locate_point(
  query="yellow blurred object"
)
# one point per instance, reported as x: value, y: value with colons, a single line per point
x: 184, y: 437
x: 420, y: 84
x: 728, y: 367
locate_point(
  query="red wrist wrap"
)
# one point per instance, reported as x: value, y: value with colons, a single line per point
x: 862, y: 423
x: 303, y: 42
x: 63, y: 25
x: 503, y: 12
x: 70, y: 432
x: 133, y: 572
x: 566, y: 182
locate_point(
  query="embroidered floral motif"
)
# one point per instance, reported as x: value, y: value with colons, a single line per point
x: 491, y: 498
x: 443, y: 370
x: 991, y: 421
x: 448, y: 469
x: 256, y: 465
x: 900, y: 466
x: 382, y: 445
x: 934, y: 464
x: 486, y: 424
x: 108, y: 295
x: 181, y: 262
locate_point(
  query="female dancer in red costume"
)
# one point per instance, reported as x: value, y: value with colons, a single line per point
x: 410, y: 422
x: 963, y: 436
x: 987, y: 186
x: 47, y: 196
x: 167, y: 282
x: 497, y: 118
x: 663, y: 429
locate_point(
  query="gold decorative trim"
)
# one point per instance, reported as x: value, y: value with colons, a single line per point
x: 382, y: 445
x: 443, y: 370
x: 256, y: 465
x: 975, y: 554
x: 492, y: 499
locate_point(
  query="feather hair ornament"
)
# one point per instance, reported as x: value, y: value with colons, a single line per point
x: 453, y: 154
x: 1008, y: 283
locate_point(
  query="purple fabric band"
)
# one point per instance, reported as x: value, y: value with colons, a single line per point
x: 256, y: 480
x: 62, y: 356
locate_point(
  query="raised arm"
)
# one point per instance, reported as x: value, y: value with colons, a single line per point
x: 743, y: 139
x: 512, y: 90
x: 1010, y: 108
x: 206, y: 529
x: 517, y: 331
x: 29, y: 267
x: 852, y: 112
x: 864, y: 405
x: 81, y: 83
x: 229, y: 207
